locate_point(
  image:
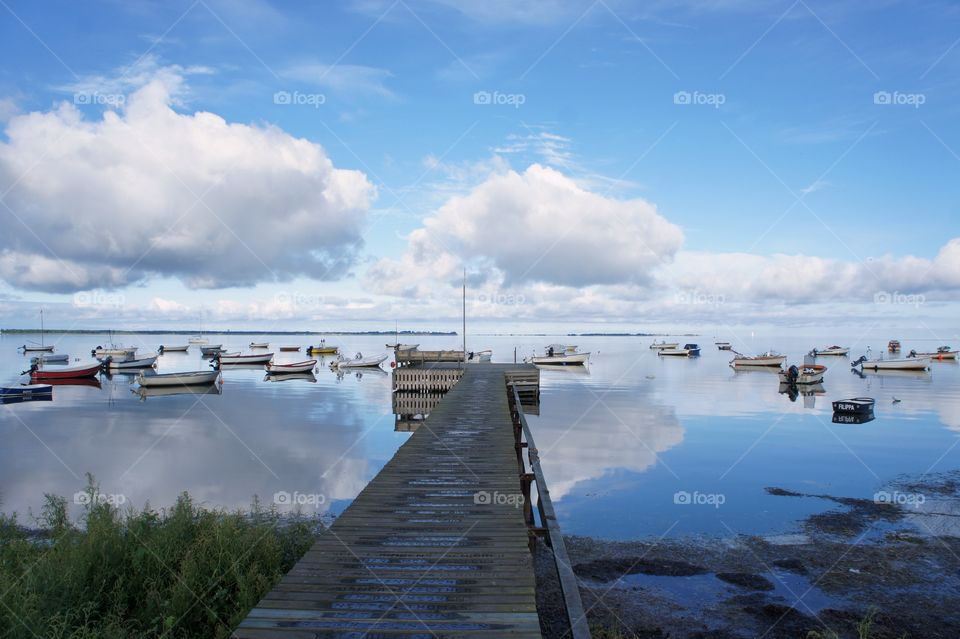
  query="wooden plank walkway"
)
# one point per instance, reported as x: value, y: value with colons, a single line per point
x: 435, y: 546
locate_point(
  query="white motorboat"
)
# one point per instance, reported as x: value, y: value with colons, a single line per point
x: 770, y: 358
x: 941, y: 354
x: 297, y: 367
x: 806, y: 374
x: 359, y: 361
x: 557, y: 355
x: 664, y: 345
x: 50, y: 359
x: 119, y: 364
x: 895, y: 363
x: 688, y: 350
x: 237, y: 358
x: 194, y: 378
x: 839, y: 351
x: 173, y: 349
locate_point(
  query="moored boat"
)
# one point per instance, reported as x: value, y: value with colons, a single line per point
x: 479, y: 356
x: 237, y: 358
x: 893, y: 346
x: 114, y: 351
x: 805, y: 374
x: 173, y: 349
x: 770, y: 358
x: 942, y: 353
x: 189, y: 378
x: 664, y: 344
x: 67, y: 372
x: 214, y: 349
x: 259, y: 344
x: 834, y: 350
x: 36, y: 348
x: 894, y: 363
x: 688, y: 350
x: 26, y: 390
x: 296, y: 367
x: 50, y: 359
x: 723, y: 346
x: 857, y: 405
x: 289, y: 349
x: 557, y: 355
x: 130, y: 362
x: 403, y: 347
x: 358, y: 361
x: 198, y: 340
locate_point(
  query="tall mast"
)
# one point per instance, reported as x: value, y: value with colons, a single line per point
x: 464, y: 315
x: 41, y: 327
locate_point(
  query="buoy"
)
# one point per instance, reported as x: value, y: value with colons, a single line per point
x: 393, y: 364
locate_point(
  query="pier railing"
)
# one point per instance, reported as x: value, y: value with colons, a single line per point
x: 548, y: 528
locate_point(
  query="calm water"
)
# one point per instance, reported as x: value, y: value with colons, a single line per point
x: 618, y: 440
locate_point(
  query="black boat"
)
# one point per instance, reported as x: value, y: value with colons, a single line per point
x: 856, y: 405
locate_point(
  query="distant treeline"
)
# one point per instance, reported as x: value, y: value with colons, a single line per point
x: 27, y: 331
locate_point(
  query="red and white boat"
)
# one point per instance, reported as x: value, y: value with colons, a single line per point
x: 65, y: 372
x: 297, y: 367
x: 237, y: 358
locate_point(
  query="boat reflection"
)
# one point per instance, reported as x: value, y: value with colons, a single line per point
x: 286, y: 377
x: 359, y: 373
x: 809, y: 392
x: 853, y: 418
x: 864, y: 374
x: 80, y: 381
x: 166, y: 391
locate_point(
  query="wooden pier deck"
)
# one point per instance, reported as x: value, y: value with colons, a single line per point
x: 435, y: 546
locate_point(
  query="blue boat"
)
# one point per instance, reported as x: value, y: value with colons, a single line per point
x: 26, y: 393
x: 693, y: 350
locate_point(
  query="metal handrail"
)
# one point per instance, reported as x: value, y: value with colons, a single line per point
x: 577, y: 618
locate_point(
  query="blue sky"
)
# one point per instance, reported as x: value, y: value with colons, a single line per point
x: 787, y: 148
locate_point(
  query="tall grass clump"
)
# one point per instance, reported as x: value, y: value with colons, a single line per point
x: 186, y: 572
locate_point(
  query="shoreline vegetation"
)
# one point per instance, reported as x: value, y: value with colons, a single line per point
x: 180, y: 573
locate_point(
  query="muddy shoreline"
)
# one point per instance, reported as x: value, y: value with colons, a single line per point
x: 880, y: 567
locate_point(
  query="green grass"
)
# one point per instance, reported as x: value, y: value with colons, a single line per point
x: 180, y: 573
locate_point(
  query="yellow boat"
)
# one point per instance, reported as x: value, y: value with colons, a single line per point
x: 323, y: 350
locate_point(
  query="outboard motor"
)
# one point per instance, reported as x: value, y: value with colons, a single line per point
x: 94, y: 351
x: 105, y: 362
x: 857, y: 362
x: 913, y: 353
x: 160, y: 350
x: 793, y: 373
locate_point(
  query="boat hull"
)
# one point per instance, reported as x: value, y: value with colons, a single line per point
x: 326, y: 350
x: 663, y: 345
x: 27, y: 390
x: 759, y: 361
x: 244, y: 359
x: 197, y: 378
x: 174, y: 349
x: 145, y: 362
x: 905, y: 364
x: 836, y: 352
x: 74, y: 372
x: 856, y: 405
x: 363, y: 362
x: 563, y: 359
x: 289, y: 349
x: 259, y: 344
x: 298, y: 367
x: 37, y: 349
x: 805, y: 375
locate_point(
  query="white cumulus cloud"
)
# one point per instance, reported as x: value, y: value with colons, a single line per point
x: 147, y: 191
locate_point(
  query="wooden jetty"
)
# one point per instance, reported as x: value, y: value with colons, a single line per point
x: 438, y: 543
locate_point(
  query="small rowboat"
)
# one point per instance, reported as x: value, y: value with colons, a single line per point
x: 36, y: 349
x: 298, y: 367
x: 211, y: 350
x: 723, y: 346
x: 688, y: 350
x: 69, y: 372
x: 806, y: 374
x: 196, y: 378
x: 359, y: 361
x: 173, y: 349
x: 323, y: 349
x: 50, y: 359
x: 237, y: 358
x: 289, y: 349
x: 662, y: 345
x: 839, y: 351
x: 259, y: 344
x: 403, y: 347
x: 119, y: 364
x: 770, y: 358
x: 856, y: 405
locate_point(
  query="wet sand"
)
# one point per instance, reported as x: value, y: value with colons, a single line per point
x: 887, y: 561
